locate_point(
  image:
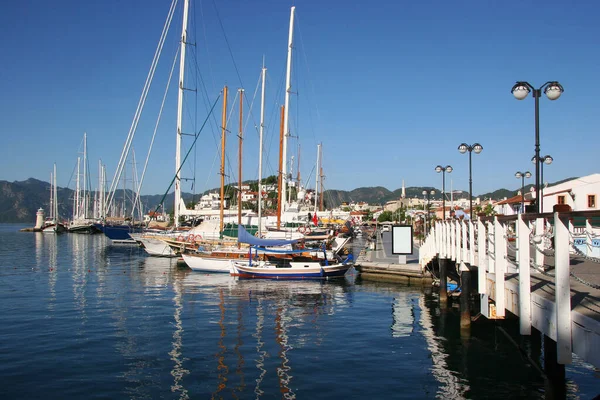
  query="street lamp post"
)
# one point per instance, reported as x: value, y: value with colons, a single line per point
x: 427, y: 195
x: 541, y: 161
x: 477, y: 148
x: 443, y: 170
x: 523, y: 175
x: 553, y: 90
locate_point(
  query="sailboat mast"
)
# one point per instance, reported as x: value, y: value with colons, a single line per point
x: 288, y: 89
x: 298, y: 177
x: 76, y: 202
x: 240, y: 136
x: 186, y: 5
x: 51, y: 196
x: 280, y: 177
x: 83, y: 213
x: 260, y: 149
x: 317, y: 177
x: 321, y: 168
x: 223, y: 132
x: 55, y: 197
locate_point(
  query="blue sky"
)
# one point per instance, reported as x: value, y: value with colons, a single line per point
x: 390, y: 88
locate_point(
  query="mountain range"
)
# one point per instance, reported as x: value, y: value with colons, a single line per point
x: 20, y: 200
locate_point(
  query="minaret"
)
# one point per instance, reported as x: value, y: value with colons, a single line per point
x: 403, y: 196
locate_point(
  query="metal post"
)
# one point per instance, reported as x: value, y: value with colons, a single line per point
x: 470, y: 189
x: 523, y: 193
x: 444, y: 194
x: 540, y: 200
x: 536, y: 94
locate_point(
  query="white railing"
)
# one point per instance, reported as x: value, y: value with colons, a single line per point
x: 497, y: 253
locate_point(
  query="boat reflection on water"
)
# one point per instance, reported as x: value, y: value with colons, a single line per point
x: 283, y: 316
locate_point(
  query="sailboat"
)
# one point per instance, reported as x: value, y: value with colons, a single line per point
x: 52, y: 224
x: 80, y: 222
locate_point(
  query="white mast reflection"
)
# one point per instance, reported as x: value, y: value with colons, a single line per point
x: 178, y: 372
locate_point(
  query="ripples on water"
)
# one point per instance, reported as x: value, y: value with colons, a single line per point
x: 84, y: 318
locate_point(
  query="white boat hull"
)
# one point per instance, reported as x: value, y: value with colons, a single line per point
x: 205, y: 263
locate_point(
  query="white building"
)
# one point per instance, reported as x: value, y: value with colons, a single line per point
x: 580, y: 194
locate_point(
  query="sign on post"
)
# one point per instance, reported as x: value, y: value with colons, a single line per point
x: 402, y: 239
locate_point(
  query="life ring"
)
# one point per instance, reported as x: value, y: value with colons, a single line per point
x: 180, y: 238
x: 305, y: 230
x: 191, y: 238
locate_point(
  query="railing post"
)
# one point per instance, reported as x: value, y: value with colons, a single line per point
x: 452, y: 240
x: 465, y: 239
x: 458, y: 250
x: 539, y: 231
x: 491, y: 248
x: 524, y: 277
x: 499, y: 255
x: 562, y: 290
x: 588, y: 238
x: 482, y: 263
x: 481, y: 258
x: 471, y: 243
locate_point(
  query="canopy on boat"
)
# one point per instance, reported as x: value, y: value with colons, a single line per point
x: 245, y: 237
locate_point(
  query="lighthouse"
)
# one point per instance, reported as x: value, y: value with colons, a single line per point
x: 39, y: 219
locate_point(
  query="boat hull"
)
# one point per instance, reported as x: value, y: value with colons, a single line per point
x: 154, y: 246
x: 118, y: 232
x: 297, y: 270
x: 207, y: 263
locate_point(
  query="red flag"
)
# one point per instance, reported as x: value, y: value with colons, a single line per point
x: 315, y: 220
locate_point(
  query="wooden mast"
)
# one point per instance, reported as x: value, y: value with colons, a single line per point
x: 240, y: 136
x: 281, y: 163
x: 223, y: 131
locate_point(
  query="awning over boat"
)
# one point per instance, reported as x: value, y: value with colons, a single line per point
x: 245, y: 237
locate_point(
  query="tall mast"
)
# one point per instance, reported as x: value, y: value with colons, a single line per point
x: 223, y: 131
x: 83, y: 213
x: 298, y: 177
x: 241, y: 137
x: 186, y: 5
x: 288, y: 89
x: 260, y: 149
x: 76, y: 204
x: 317, y: 177
x: 280, y: 177
x: 55, y: 197
x: 290, y: 174
x: 322, y: 176
x: 52, y: 195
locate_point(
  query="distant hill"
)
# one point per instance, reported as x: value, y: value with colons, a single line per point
x: 20, y: 200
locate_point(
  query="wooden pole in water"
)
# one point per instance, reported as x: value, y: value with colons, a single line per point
x: 223, y: 132
x: 280, y: 176
x: 465, y: 295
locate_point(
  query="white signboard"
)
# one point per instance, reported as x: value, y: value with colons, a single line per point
x: 402, y: 239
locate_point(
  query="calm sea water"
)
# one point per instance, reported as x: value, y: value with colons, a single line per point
x: 81, y: 318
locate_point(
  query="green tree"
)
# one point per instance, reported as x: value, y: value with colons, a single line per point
x: 385, y: 216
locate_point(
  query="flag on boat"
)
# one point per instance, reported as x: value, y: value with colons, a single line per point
x: 315, y: 219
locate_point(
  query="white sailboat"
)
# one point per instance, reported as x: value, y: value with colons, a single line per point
x: 81, y: 223
x: 52, y: 224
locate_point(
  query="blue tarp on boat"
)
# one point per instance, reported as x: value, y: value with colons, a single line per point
x: 245, y: 237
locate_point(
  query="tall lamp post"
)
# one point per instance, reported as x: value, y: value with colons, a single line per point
x: 553, y: 90
x: 523, y: 175
x: 427, y: 194
x: 443, y: 170
x: 541, y: 161
x: 477, y: 148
